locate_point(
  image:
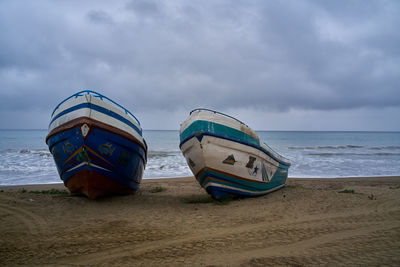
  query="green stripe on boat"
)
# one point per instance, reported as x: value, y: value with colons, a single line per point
x: 212, y: 127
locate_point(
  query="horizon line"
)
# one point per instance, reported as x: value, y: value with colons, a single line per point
x: 377, y: 131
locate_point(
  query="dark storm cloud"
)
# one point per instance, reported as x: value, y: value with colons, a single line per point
x: 99, y: 16
x: 143, y: 7
x: 280, y: 55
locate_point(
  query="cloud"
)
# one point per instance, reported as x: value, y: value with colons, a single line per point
x: 142, y: 7
x: 268, y: 56
x: 99, y: 16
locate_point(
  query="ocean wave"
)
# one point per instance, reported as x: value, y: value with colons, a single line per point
x: 38, y: 152
x: 353, y: 154
x: 343, y: 147
x: 385, y: 148
x: 161, y: 154
x: 27, y: 169
x: 24, y: 152
x: 300, y: 147
x: 324, y: 147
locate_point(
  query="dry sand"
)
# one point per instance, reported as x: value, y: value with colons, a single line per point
x: 306, y: 223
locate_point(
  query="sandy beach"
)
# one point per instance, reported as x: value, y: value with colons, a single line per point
x: 173, y: 222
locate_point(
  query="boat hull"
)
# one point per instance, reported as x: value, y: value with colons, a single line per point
x: 227, y: 157
x: 94, y: 185
x: 97, y: 145
x: 101, y: 163
x: 227, y: 168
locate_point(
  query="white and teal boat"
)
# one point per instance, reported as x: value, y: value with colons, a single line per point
x: 228, y: 158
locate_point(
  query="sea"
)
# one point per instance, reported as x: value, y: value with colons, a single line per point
x: 25, y: 158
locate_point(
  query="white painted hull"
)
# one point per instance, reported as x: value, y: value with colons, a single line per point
x: 224, y: 164
x: 120, y: 120
x: 212, y: 151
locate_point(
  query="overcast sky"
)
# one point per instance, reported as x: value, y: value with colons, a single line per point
x: 276, y: 65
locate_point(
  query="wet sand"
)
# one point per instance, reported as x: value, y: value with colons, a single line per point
x: 309, y: 222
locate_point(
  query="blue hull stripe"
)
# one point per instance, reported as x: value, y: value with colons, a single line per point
x: 204, y: 178
x: 99, y: 109
x: 235, y: 187
x: 116, y: 157
x: 218, y: 191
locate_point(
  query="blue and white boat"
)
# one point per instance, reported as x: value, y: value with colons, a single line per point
x: 97, y: 145
x: 228, y: 158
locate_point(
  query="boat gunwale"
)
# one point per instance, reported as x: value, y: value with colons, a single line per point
x: 104, y: 111
x: 95, y: 94
x: 217, y: 112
